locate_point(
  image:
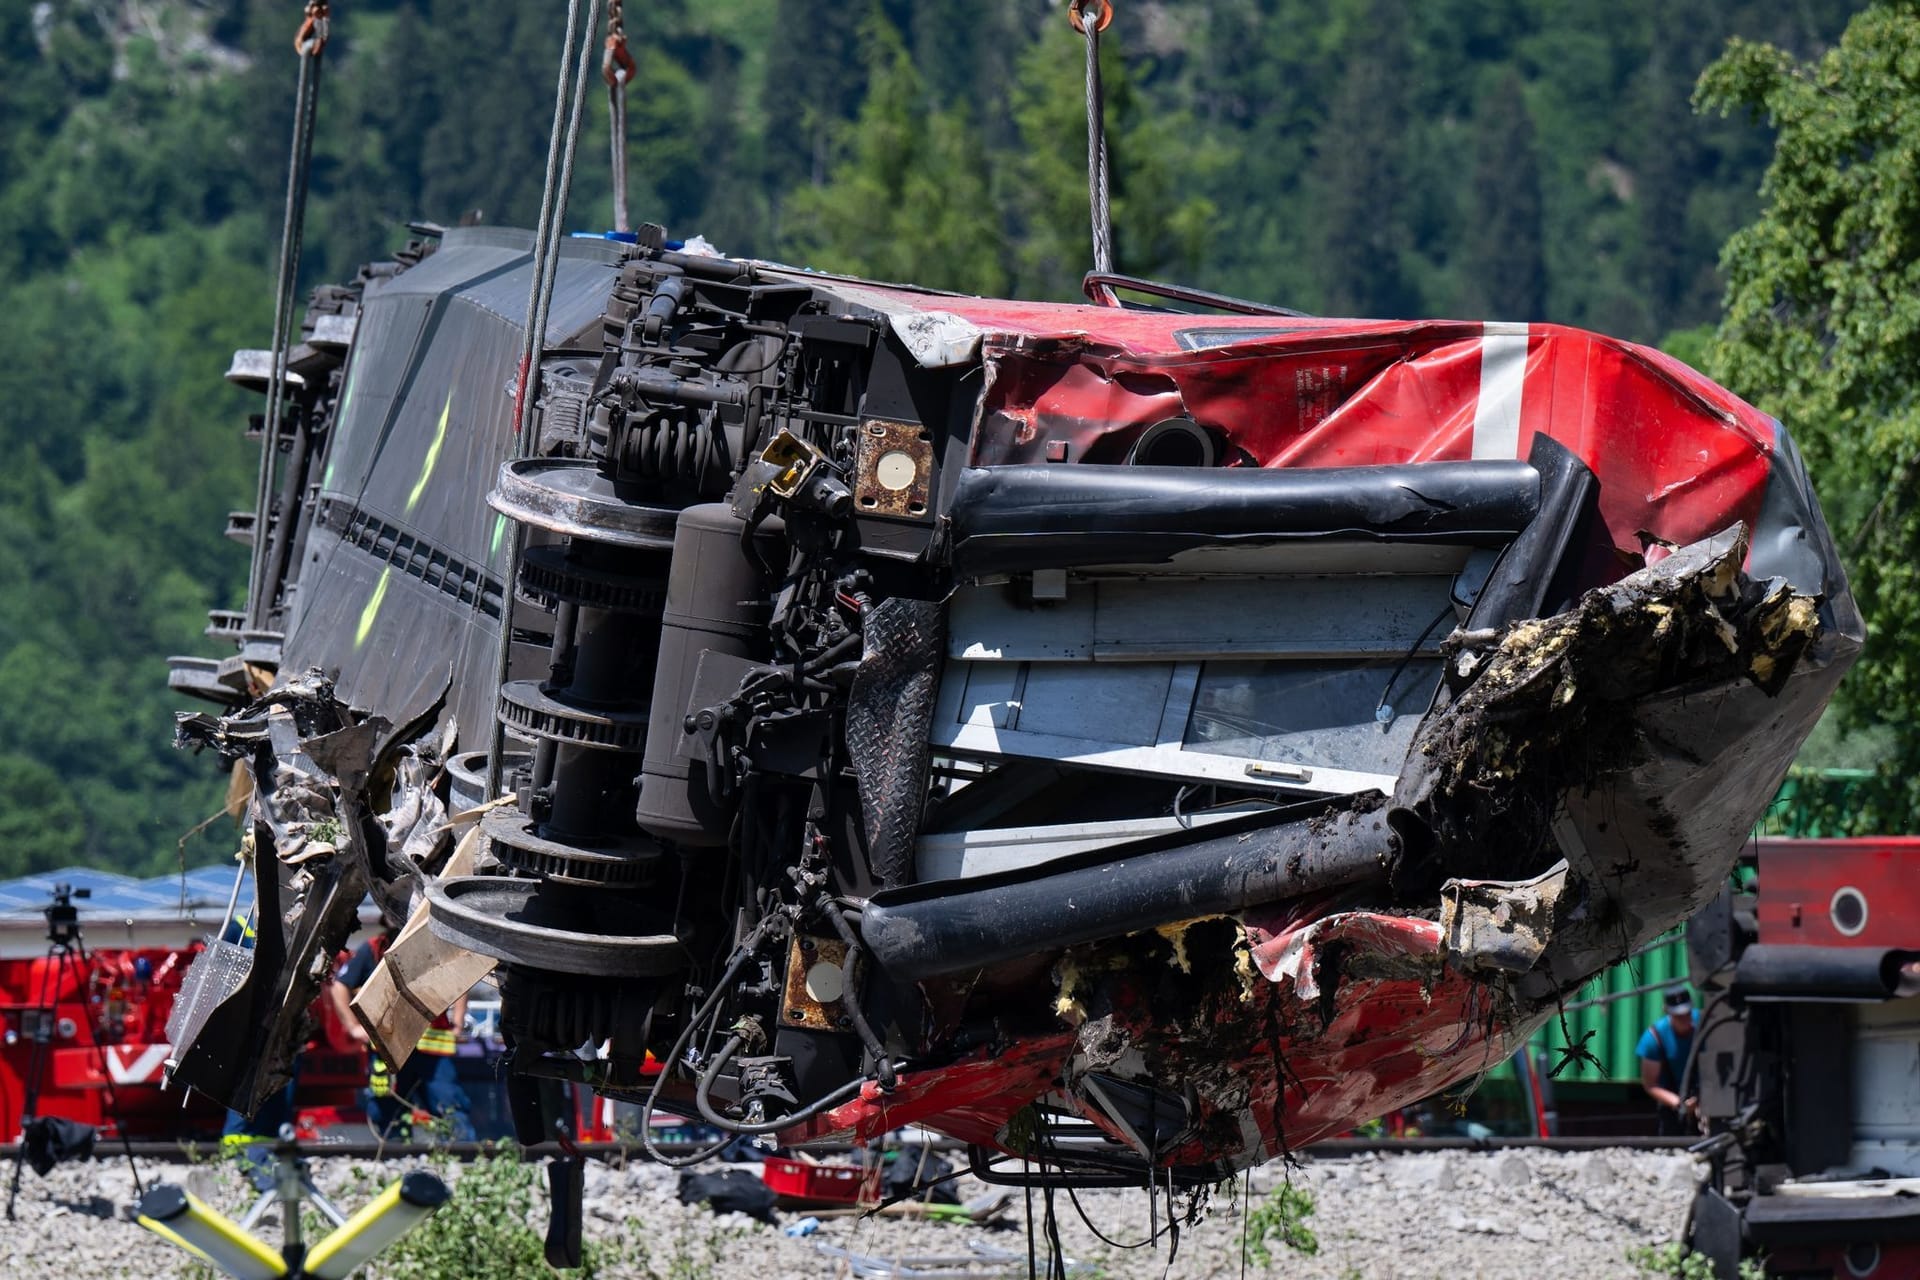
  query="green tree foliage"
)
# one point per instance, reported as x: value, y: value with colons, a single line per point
x: 1505, y: 253
x: 1360, y: 155
x: 1362, y: 180
x: 1822, y: 324
x: 888, y: 211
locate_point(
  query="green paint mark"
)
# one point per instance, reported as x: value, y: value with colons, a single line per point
x: 340, y: 423
x: 372, y: 611
x: 346, y: 395
x: 499, y: 527
x: 433, y: 455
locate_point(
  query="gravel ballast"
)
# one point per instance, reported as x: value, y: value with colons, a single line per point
x: 1458, y: 1215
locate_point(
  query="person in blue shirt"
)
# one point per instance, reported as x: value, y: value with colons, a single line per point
x: 1664, y: 1051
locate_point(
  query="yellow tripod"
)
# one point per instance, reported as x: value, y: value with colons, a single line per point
x: 184, y: 1219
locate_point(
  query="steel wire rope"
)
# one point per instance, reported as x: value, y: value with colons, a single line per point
x: 562, y: 143
x: 1090, y: 18
x: 309, y: 43
x: 617, y: 69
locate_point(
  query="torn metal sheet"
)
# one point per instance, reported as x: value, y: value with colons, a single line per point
x: 1501, y: 925
x: 243, y: 1009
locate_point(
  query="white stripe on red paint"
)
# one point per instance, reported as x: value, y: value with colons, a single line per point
x: 124, y: 1068
x: 1503, y: 372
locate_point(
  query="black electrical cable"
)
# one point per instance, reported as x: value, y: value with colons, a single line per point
x: 1406, y: 658
x: 703, y: 1100
x: 1026, y: 1186
x: 1057, y: 1252
x: 1153, y: 1233
x: 856, y: 965
x: 1153, y: 1236
x: 744, y: 952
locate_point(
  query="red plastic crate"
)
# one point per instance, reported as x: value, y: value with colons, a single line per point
x: 797, y: 1183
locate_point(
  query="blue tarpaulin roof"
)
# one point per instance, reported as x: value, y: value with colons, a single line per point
x: 165, y: 897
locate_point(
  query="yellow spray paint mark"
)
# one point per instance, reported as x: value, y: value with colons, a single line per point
x: 433, y: 455
x: 499, y: 527
x: 372, y: 611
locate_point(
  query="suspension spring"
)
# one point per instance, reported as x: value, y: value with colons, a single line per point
x: 677, y: 445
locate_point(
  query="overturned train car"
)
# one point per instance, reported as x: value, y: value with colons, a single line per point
x: 1110, y: 734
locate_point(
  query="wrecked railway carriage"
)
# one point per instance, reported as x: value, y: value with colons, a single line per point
x: 1108, y: 734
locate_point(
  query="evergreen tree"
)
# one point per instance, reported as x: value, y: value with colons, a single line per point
x: 1360, y: 175
x: 889, y: 208
x: 813, y: 87
x: 1665, y: 161
x: 1275, y: 148
x: 485, y: 154
x: 1506, y: 268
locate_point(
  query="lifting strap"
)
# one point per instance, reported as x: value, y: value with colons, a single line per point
x: 308, y: 43
x: 1090, y: 18
x: 617, y: 69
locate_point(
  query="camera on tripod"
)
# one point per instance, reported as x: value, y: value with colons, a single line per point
x: 63, y: 918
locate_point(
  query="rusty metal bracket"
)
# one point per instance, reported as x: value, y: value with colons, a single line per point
x: 816, y: 985
x: 893, y: 469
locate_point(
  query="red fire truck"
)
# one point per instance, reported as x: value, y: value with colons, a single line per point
x: 104, y: 1021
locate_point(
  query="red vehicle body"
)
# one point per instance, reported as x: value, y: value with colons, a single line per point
x: 1677, y: 459
x: 1805, y: 1062
x: 108, y: 1034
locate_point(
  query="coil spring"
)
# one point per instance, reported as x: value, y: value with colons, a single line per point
x: 673, y: 447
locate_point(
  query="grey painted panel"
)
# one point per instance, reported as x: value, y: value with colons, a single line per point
x: 1174, y: 619
x: 1318, y: 714
x: 1103, y: 704
x: 951, y: 855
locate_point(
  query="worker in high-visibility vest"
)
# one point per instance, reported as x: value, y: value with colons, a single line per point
x: 428, y: 1081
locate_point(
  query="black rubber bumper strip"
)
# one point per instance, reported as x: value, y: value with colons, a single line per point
x: 1028, y: 517
x: 956, y: 926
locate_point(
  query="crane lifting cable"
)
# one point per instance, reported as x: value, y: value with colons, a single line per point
x: 563, y: 143
x: 1090, y: 18
x: 617, y: 69
x: 309, y: 43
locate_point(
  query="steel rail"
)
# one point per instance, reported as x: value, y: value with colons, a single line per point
x: 1328, y: 1148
